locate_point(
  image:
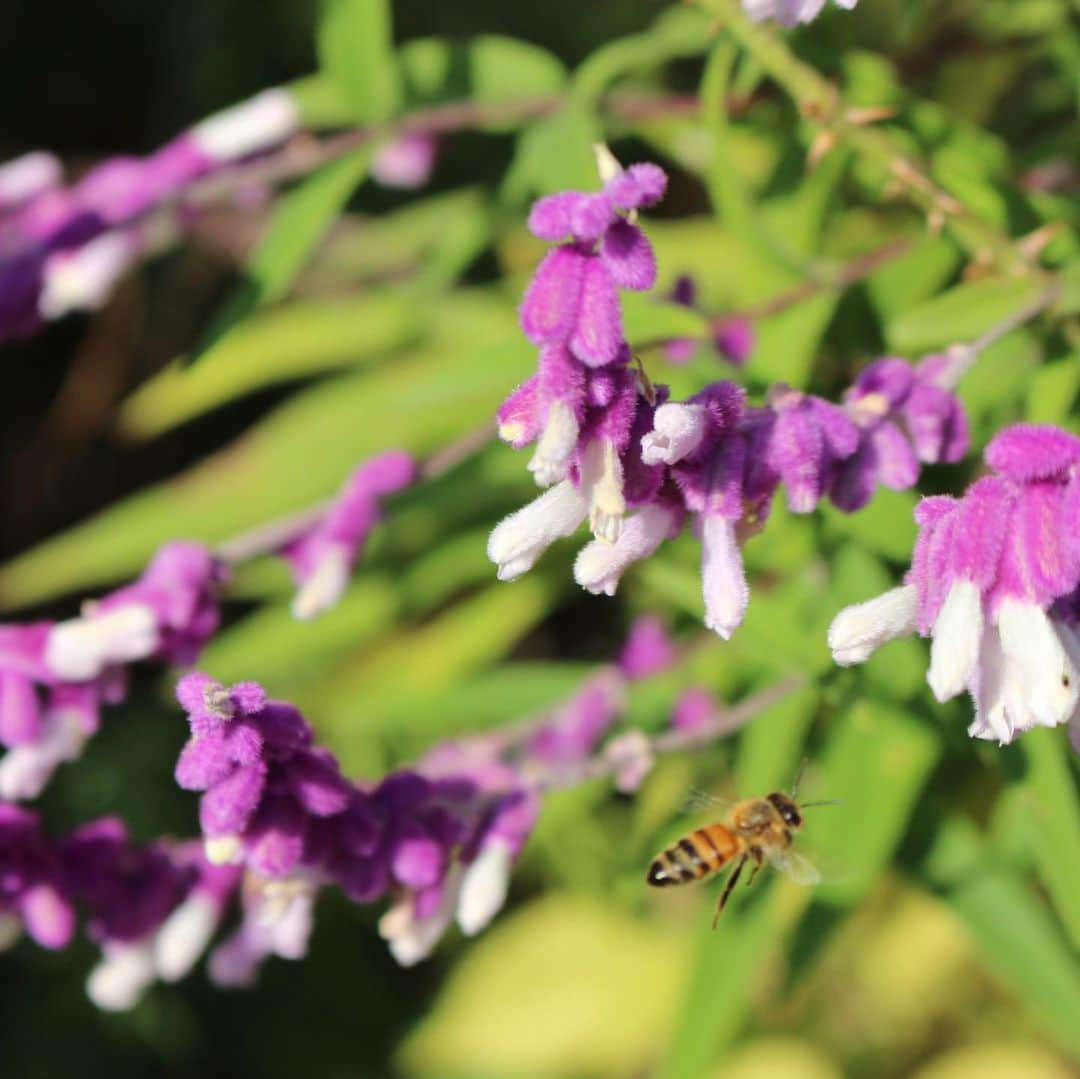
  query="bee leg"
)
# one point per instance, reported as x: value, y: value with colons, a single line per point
x: 732, y: 881
x: 759, y: 861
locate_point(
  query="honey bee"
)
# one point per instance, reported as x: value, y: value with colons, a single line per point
x: 757, y: 829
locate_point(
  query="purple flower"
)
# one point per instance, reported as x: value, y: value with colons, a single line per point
x: 789, y: 12
x: 407, y: 162
x: 732, y: 338
x: 808, y: 440
x: 262, y: 782
x: 277, y: 920
x: 992, y: 582
x: 167, y: 614
x: 323, y: 557
x: 25, y: 177
x: 695, y: 708
x: 33, y: 892
x: 904, y: 417
x: 573, y: 732
x: 648, y: 649
x: 573, y: 299
x: 63, y: 249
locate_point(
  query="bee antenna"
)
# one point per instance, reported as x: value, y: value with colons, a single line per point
x: 798, y: 776
x: 827, y: 802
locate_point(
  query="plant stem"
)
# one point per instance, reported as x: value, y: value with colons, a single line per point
x: 726, y: 723
x: 818, y: 99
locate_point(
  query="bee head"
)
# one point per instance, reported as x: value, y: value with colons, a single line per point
x: 786, y: 807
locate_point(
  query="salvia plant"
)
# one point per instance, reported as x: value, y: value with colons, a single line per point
x: 782, y: 319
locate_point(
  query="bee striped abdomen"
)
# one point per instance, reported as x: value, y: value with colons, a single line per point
x: 693, y: 857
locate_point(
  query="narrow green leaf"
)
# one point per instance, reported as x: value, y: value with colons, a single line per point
x: 298, y: 455
x: 300, y: 221
x: 886, y: 526
x: 960, y: 314
x: 724, y: 979
x: 271, y: 646
x: 1053, y: 815
x: 486, y: 69
x: 1020, y: 944
x: 356, y: 48
x: 282, y: 344
x: 875, y: 761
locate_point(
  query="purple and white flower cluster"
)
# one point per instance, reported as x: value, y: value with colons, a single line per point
x: 732, y: 337
x: 609, y: 442
x: 438, y: 839
x: 151, y: 909
x: 63, y: 248
x: 55, y: 677
x: 324, y: 554
x: 995, y: 583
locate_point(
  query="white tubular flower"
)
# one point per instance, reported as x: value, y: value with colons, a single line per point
x: 83, y: 279
x: 599, y: 566
x: 412, y: 939
x: 723, y: 577
x: 184, y: 936
x: 28, y: 175
x: 677, y: 431
x: 602, y: 478
x: 1050, y: 678
x: 484, y: 887
x: 254, y: 125
x: 557, y: 442
x: 26, y: 770
x: 858, y: 631
x: 223, y: 849
x: 518, y: 540
x: 125, y: 972
x: 957, y: 640
x: 80, y: 649
x: 325, y: 587
x: 10, y: 931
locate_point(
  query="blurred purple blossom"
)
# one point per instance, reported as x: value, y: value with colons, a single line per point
x: 789, y: 12
x: 323, y: 555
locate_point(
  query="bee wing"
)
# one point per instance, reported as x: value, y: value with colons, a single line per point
x: 700, y: 801
x: 792, y: 864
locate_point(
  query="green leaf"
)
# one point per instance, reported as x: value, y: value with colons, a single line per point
x: 886, y: 526
x: 565, y: 986
x: 905, y: 282
x: 1053, y: 393
x: 271, y: 646
x: 300, y: 220
x: 677, y: 32
x: 1015, y: 936
x: 1049, y: 805
x: 876, y: 760
x: 554, y: 154
x: 488, y: 69
x: 787, y: 341
x: 771, y: 747
x: 356, y: 49
x: 727, y: 967
x: 960, y: 314
x: 648, y: 320
x: 298, y: 455
x: 1020, y: 944
x: 290, y: 342
x: 321, y: 101
x: 399, y: 687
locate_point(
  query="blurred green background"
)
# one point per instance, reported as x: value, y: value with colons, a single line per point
x: 943, y: 943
